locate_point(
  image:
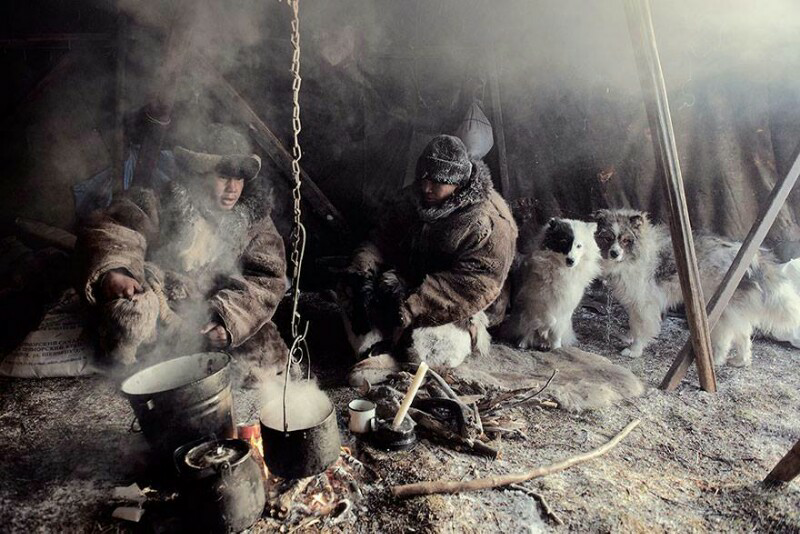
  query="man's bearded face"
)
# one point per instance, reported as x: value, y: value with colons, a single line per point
x: 227, y: 191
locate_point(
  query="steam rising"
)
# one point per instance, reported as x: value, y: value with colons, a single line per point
x: 306, y: 404
x: 380, y: 75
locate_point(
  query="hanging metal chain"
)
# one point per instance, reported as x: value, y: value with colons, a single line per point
x: 298, y: 238
x: 298, y: 231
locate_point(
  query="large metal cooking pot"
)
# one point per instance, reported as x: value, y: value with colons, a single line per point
x: 303, y: 452
x: 221, y: 485
x: 181, y: 400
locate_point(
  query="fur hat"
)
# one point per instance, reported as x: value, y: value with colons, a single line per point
x: 445, y: 160
x: 218, y: 149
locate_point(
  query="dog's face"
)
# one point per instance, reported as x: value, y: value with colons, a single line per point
x: 568, y: 238
x: 618, y: 233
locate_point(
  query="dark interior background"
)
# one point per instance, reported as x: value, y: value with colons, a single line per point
x: 381, y: 77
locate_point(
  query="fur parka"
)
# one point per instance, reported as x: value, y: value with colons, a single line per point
x: 198, y: 261
x: 455, y: 256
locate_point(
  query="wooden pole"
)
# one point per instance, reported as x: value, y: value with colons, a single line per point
x: 118, y: 144
x: 497, y: 119
x: 654, y: 89
x: 272, y: 146
x: 158, y: 112
x: 738, y: 268
x: 787, y: 469
x: 64, y: 64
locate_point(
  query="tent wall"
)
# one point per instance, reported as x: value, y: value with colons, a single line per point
x: 379, y: 77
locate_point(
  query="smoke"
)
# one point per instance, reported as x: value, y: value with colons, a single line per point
x: 381, y: 75
x: 306, y: 404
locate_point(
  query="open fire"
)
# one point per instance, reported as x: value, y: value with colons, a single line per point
x: 326, y: 499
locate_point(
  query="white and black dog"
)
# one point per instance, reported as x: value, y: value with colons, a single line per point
x: 549, y: 285
x: 639, y: 264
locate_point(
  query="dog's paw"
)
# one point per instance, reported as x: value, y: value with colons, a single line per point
x: 541, y: 346
x: 632, y: 352
x: 738, y: 361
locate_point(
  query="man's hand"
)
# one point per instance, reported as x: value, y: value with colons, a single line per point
x: 117, y: 285
x: 216, y: 335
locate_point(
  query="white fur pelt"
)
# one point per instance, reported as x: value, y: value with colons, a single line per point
x: 584, y: 381
x: 550, y: 283
x: 638, y: 262
x: 440, y: 346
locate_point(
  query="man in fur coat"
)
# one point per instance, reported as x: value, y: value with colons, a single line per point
x: 437, y: 260
x: 195, y: 265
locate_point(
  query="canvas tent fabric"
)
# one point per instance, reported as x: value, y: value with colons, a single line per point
x: 576, y: 133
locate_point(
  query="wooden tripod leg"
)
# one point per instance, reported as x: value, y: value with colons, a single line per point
x: 787, y: 469
x: 656, y: 103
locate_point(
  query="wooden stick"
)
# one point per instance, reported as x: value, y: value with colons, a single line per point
x: 65, y: 64
x: 527, y: 397
x: 438, y: 429
x: 499, y: 131
x: 446, y: 486
x: 640, y: 25
x: 787, y: 469
x: 410, y: 394
x: 51, y: 235
x: 536, y: 496
x: 118, y: 144
x: 724, y: 292
x: 445, y: 387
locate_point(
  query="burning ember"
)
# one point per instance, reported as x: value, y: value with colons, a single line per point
x: 326, y: 499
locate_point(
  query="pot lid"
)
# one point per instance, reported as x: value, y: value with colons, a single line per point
x: 216, y: 453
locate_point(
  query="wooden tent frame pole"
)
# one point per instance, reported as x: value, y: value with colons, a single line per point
x: 651, y: 77
x: 158, y: 112
x: 758, y: 232
x: 499, y: 130
x: 119, y: 145
x: 787, y: 469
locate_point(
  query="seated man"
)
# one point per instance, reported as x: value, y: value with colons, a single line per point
x: 196, y: 265
x: 438, y: 259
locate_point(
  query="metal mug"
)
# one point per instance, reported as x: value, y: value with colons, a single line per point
x: 361, y: 413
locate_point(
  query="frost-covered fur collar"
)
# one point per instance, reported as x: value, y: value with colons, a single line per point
x: 194, y: 233
x: 477, y: 189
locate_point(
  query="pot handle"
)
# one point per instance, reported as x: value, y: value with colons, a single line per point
x: 136, y: 427
x: 224, y: 469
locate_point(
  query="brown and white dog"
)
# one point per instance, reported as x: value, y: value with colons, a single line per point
x: 639, y: 265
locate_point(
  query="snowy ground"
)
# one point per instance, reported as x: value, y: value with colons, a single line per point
x: 694, y: 464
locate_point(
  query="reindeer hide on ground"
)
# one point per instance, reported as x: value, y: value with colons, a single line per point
x: 585, y: 381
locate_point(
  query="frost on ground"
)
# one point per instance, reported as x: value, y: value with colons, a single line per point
x: 694, y: 464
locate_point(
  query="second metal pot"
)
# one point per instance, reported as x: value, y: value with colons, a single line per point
x: 304, y: 452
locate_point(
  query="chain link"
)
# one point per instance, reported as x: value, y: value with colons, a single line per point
x: 298, y: 238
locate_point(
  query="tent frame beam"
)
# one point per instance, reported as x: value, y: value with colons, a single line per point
x: 724, y: 292
x: 651, y: 77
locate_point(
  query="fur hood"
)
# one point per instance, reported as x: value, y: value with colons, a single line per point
x: 476, y: 189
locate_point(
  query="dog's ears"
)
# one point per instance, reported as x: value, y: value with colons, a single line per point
x: 636, y: 221
x: 599, y: 216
